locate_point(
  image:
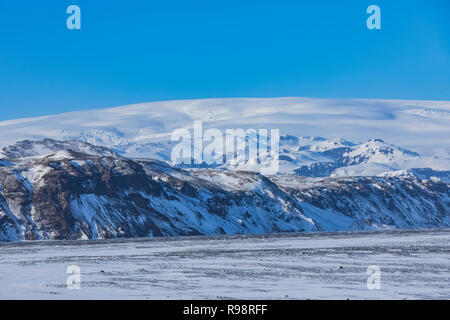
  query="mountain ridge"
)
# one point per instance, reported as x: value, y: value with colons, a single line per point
x: 76, y: 195
x: 345, y: 164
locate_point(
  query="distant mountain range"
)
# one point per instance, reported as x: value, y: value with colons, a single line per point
x: 108, y: 173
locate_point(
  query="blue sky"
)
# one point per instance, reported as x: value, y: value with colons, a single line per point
x: 138, y: 51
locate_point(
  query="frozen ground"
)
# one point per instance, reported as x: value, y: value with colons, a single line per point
x: 414, y: 264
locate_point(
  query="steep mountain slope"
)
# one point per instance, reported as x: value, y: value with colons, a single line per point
x: 60, y: 192
x: 69, y: 195
x: 371, y: 202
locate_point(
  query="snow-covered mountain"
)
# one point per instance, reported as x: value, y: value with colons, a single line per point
x: 344, y: 165
x: 416, y: 133
x: 320, y: 157
x: 59, y: 192
x: 421, y: 126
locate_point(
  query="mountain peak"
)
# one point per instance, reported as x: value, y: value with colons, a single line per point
x: 50, y: 147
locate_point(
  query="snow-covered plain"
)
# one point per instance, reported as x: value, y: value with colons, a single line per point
x: 414, y: 264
